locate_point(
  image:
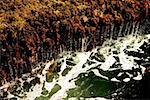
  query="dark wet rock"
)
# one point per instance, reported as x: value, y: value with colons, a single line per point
x: 70, y: 63
x: 135, y: 90
x: 98, y: 57
x: 90, y: 62
x: 146, y: 64
x: 146, y: 86
x: 98, y: 66
x: 35, y: 81
x: 69, y: 59
x: 123, y: 76
x: 16, y: 90
x: 42, y: 65
x: 140, y: 61
x: 133, y: 72
x: 117, y: 58
x: 92, y: 54
x: 146, y: 48
x: 136, y: 54
x: 40, y: 71
x: 26, y: 86
x: 16, y: 87
x: 115, y: 52
x: 14, y: 98
x: 83, y: 66
x: 116, y: 65
x: 63, y: 60
x: 74, y: 55
x: 58, y: 68
x: 92, y: 57
x: 24, y: 78
x: 109, y: 74
x: 143, y: 46
x: 3, y: 95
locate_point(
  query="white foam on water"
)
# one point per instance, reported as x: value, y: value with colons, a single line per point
x: 82, y: 57
x: 127, y: 64
x: 115, y: 80
x: 110, y: 60
x: 126, y: 79
x: 138, y: 77
x: 64, y: 81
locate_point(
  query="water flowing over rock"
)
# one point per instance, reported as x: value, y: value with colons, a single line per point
x: 88, y: 45
x: 90, y: 74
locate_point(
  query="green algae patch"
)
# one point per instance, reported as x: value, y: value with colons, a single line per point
x: 55, y: 89
x: 42, y: 98
x: 65, y: 71
x: 50, y: 77
x: 44, y: 92
x: 91, y: 86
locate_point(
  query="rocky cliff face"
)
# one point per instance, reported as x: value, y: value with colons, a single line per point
x: 33, y: 31
x: 19, y: 55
